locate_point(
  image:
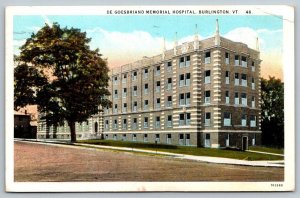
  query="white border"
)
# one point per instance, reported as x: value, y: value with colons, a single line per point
x: 289, y: 102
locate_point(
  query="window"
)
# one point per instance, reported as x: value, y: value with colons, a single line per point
x: 226, y: 58
x: 227, y: 77
x: 116, y: 94
x: 181, y: 119
x: 157, y: 138
x: 157, y: 103
x: 146, y: 73
x: 145, y: 137
x: 157, y: 71
x: 145, y: 122
x: 169, y: 85
x: 106, y: 110
x: 244, y: 61
x: 115, y: 124
x: 188, y: 119
x: 184, y: 61
x: 157, y: 122
x: 236, y: 60
x: 169, y: 66
x: 115, y: 137
x: 169, y: 101
x: 184, y: 119
x: 169, y: 138
x: 146, y: 90
x: 207, y: 77
x: 187, y: 61
x: 146, y: 105
x: 181, y: 99
x: 236, y: 98
x: 106, y: 124
x: 116, y: 108
x: 115, y: 80
x: 187, y: 79
x: 124, y: 137
x: 253, y: 102
x: 124, y: 126
x: 252, y: 84
x: 157, y: 86
x: 252, y: 121
x: 134, y: 92
x: 124, y: 107
x: 244, y: 120
x: 244, y: 99
x: 169, y: 121
x: 227, y: 100
x: 134, y: 75
x: 124, y: 80
x: 134, y: 137
x: 181, y: 80
x: 244, y: 80
x: 252, y: 66
x: 207, y: 121
x: 207, y: 58
x: 207, y: 97
x: 227, y: 119
x: 124, y: 94
x: 134, y: 123
x: 236, y: 79
x: 134, y: 107
x: 188, y: 98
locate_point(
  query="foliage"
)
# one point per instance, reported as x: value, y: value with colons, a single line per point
x: 57, y: 70
x: 272, y: 109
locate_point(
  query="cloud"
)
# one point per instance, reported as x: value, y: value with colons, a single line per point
x: 245, y: 35
x: 125, y: 47
x: 270, y: 42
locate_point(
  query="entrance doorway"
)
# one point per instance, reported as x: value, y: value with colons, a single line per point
x: 245, y: 143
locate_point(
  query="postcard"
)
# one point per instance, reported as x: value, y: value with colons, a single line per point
x: 150, y: 98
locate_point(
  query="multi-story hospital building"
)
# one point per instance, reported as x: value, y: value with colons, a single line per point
x: 200, y: 93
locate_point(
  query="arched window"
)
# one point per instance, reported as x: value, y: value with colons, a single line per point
x: 96, y: 127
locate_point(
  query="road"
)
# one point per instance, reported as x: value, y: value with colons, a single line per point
x: 41, y: 162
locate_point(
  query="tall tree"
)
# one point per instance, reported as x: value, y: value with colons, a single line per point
x: 272, y: 112
x: 57, y: 70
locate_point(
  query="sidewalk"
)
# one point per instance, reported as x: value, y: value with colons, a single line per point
x: 217, y: 160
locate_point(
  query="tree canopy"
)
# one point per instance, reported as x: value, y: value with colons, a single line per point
x: 272, y: 112
x: 57, y: 71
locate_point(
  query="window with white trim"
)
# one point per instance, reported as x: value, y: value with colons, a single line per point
x: 207, y: 120
x: 207, y: 97
x: 226, y: 58
x: 244, y: 120
x: 207, y: 77
x: 227, y: 119
x: 207, y: 58
x: 236, y: 79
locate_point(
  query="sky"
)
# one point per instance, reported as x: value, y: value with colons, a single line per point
x: 125, y: 39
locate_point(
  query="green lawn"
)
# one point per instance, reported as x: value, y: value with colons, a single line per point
x: 266, y: 149
x: 187, y: 150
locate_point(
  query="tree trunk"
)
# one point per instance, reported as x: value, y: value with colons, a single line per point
x: 73, y: 132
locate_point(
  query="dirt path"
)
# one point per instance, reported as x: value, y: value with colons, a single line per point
x: 34, y: 162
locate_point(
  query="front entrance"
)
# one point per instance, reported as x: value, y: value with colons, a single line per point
x: 245, y: 143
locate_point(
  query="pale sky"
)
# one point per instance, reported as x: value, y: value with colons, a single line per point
x: 125, y: 39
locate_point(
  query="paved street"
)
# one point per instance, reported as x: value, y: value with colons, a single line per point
x: 38, y: 162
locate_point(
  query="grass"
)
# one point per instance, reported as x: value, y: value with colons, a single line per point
x: 266, y: 149
x: 234, y: 154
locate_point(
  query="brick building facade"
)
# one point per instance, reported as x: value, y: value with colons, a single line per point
x: 201, y: 93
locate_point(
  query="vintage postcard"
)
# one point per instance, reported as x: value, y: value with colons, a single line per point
x: 150, y: 98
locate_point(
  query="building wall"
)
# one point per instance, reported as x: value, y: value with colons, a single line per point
x: 205, y: 68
